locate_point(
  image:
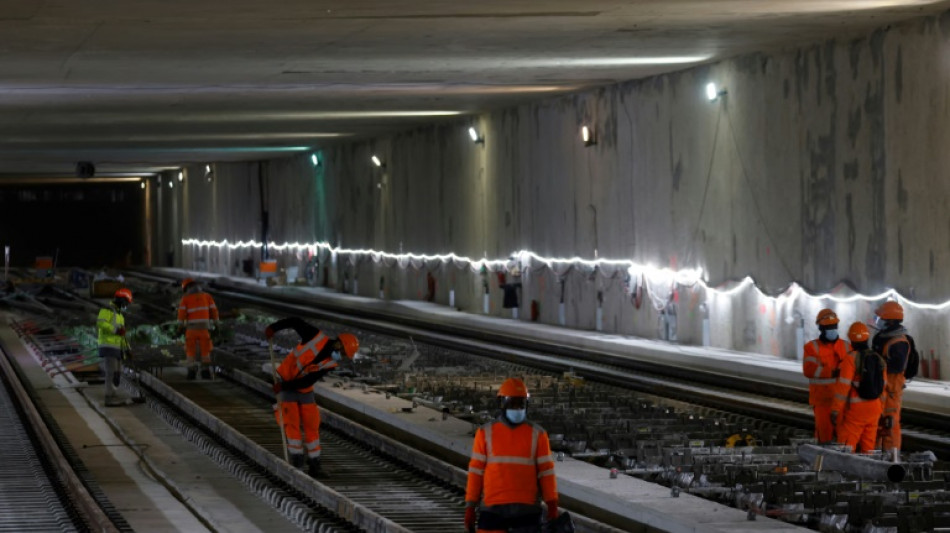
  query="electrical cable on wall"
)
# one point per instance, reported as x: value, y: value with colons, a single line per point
x: 755, y: 200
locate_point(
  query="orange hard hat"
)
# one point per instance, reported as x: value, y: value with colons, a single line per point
x: 186, y: 282
x: 858, y: 332
x: 890, y: 310
x: 350, y: 344
x: 513, y: 388
x: 123, y: 293
x: 826, y: 317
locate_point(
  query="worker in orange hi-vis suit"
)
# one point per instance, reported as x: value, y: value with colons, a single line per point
x: 820, y: 365
x: 511, y: 470
x: 197, y: 314
x: 862, y: 376
x: 891, y: 342
x: 315, y: 356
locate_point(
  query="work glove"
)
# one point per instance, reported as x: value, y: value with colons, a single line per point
x: 552, y: 509
x: 834, y: 419
x: 120, y: 331
x: 277, y: 387
x: 470, y: 519
x: 269, y: 333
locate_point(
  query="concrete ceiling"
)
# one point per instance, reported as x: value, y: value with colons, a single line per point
x: 140, y: 85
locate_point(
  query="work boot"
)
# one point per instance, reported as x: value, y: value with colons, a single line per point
x: 297, y: 460
x: 315, y: 469
x: 205, y: 373
x: 192, y: 372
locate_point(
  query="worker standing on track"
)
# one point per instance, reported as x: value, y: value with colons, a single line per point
x: 862, y: 372
x: 313, y: 358
x: 892, y: 343
x: 112, y: 343
x: 820, y: 365
x: 197, y: 314
x: 511, y: 470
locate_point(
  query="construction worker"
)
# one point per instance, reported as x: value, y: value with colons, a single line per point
x: 891, y: 342
x: 820, y: 365
x: 197, y: 314
x: 511, y: 470
x: 112, y: 343
x: 312, y: 359
x: 857, y: 428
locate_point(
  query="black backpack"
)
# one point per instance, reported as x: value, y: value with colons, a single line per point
x: 913, y: 360
x: 870, y: 371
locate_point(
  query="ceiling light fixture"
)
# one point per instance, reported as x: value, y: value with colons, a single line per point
x: 181, y: 176
x: 604, y: 61
x: 209, y: 173
x: 587, y: 135
x: 712, y: 93
x: 171, y: 184
x: 142, y: 184
x: 314, y: 159
x: 476, y: 138
x: 377, y: 162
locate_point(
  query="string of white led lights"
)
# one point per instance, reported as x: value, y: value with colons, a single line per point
x: 652, y: 275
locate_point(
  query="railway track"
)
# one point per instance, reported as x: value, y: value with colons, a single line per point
x: 385, y: 485
x: 596, y: 408
x: 39, y: 488
x: 922, y: 431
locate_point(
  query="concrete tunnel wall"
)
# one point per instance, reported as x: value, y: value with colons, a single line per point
x: 823, y: 164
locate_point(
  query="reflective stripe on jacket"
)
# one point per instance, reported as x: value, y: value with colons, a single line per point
x: 197, y: 311
x: 303, y: 360
x: 108, y: 322
x: 510, y: 465
x: 820, y: 366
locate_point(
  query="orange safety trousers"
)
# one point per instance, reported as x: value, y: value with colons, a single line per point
x: 296, y: 415
x: 198, y: 341
x: 890, y: 438
x: 858, y: 427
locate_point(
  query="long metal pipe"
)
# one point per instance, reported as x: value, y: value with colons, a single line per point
x: 858, y: 465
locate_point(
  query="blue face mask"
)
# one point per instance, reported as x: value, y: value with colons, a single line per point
x: 831, y: 334
x: 515, y: 416
x: 336, y: 356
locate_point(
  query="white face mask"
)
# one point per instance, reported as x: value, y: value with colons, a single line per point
x: 831, y: 334
x: 336, y: 356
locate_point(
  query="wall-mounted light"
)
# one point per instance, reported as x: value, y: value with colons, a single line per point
x: 476, y: 138
x: 315, y: 160
x: 209, y: 173
x: 181, y: 176
x: 171, y: 184
x: 713, y: 93
x: 377, y: 162
x: 142, y: 184
x: 587, y: 135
